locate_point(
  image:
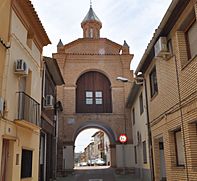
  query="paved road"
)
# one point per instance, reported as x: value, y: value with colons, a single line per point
x: 97, y: 174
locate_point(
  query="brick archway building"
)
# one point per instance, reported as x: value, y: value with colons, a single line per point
x: 91, y: 96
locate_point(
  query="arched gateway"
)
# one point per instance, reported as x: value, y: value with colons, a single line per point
x: 91, y: 96
x: 106, y: 128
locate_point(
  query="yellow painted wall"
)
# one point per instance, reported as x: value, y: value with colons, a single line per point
x: 4, y: 29
x: 20, y: 138
x: 12, y: 30
x: 20, y: 50
x: 141, y: 126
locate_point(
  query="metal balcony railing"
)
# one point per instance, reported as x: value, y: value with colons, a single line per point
x: 28, y: 109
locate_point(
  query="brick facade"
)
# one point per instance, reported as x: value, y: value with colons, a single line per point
x: 174, y: 106
x: 81, y: 56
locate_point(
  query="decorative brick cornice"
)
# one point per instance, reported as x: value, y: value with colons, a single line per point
x: 28, y: 16
x: 100, y: 40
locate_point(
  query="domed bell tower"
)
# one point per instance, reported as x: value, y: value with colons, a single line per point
x: 91, y: 25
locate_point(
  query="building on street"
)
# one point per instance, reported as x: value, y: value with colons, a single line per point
x: 168, y: 68
x: 22, y: 38
x: 101, y: 147
x: 49, y: 118
x: 89, y: 152
x: 137, y: 103
x: 92, y: 98
x: 106, y: 149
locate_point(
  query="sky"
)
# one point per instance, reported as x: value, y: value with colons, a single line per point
x: 132, y: 20
x: 83, y: 139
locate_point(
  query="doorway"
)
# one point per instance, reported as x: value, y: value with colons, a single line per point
x: 42, y: 174
x: 4, y: 160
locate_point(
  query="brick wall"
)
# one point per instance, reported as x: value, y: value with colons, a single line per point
x: 168, y: 111
x: 82, y: 56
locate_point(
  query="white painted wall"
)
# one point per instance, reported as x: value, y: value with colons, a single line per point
x: 141, y: 127
x: 68, y: 157
x: 129, y: 152
x: 124, y: 155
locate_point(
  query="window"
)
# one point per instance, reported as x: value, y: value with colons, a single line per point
x: 91, y: 32
x: 187, y: 37
x: 26, y: 163
x: 43, y: 80
x: 144, y: 152
x: 179, y: 148
x: 169, y: 46
x: 98, y: 97
x: 87, y: 33
x: 141, y: 104
x: 153, y: 82
x: 135, y: 152
x: 133, y: 115
x: 192, y: 130
x: 191, y: 40
x: 196, y: 128
x: 89, y: 97
x: 94, y: 97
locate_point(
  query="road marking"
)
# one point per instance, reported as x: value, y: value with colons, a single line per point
x: 95, y: 179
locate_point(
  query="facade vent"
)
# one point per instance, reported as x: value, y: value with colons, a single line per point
x: 21, y: 67
x: 161, y: 48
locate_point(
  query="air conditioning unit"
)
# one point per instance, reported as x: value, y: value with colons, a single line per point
x: 21, y: 67
x: 161, y: 48
x: 49, y: 101
x: 1, y: 105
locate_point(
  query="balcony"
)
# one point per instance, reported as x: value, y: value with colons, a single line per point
x: 28, y: 111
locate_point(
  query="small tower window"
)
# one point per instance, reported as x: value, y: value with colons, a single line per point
x: 87, y: 34
x: 91, y: 32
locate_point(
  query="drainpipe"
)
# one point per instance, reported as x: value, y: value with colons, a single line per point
x: 56, y: 139
x: 5, y: 73
x: 182, y: 122
x: 149, y: 135
x: 56, y: 117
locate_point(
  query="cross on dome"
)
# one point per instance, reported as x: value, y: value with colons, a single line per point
x: 90, y: 3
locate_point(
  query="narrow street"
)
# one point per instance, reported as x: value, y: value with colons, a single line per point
x: 98, y: 90
x: 97, y: 174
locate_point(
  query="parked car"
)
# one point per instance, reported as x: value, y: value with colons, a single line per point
x: 83, y: 164
x: 91, y: 162
x: 100, y: 162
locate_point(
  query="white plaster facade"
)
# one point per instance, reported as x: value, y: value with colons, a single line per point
x: 140, y: 135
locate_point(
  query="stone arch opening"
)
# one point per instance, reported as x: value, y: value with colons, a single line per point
x: 99, y: 125
x: 95, y: 70
x: 111, y: 160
